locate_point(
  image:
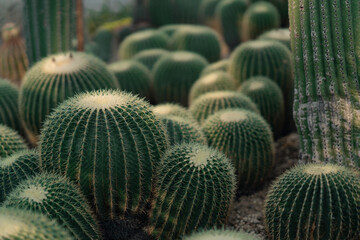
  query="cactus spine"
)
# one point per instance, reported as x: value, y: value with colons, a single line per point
x: 10, y: 141
x: 326, y: 56
x: 217, y: 234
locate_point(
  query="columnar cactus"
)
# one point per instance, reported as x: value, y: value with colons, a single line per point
x: 56, y: 78
x: 150, y: 57
x: 196, y: 186
x: 221, y: 65
x: 216, y: 81
x: 282, y: 35
x: 246, y: 138
x: 143, y: 40
x: 10, y: 142
x: 104, y: 40
x: 314, y: 201
x: 326, y: 56
x: 217, y: 234
x: 59, y: 199
x: 174, y: 74
x: 197, y: 39
x: 22, y: 225
x: 132, y: 77
x: 259, y: 18
x: 269, y: 99
x: 170, y: 109
x: 109, y: 143
x: 212, y: 102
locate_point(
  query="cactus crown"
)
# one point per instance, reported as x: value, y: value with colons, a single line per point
x: 10, y: 142
x: 150, y: 57
x: 217, y: 66
x: 221, y: 234
x: 282, y: 35
x: 171, y: 109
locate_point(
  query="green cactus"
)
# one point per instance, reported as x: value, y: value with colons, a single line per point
x: 269, y: 99
x: 215, y: 81
x: 24, y: 225
x: 186, y: 11
x: 56, y: 78
x: 59, y: 199
x: 282, y: 35
x: 143, y: 40
x: 246, y: 138
x: 197, y: 39
x: 161, y: 12
x: 132, y: 77
x: 326, y: 56
x: 260, y: 17
x: 207, y: 10
x: 174, y: 74
x: 230, y: 14
x: 314, y: 201
x: 93, y: 48
x: 212, y: 102
x: 104, y: 40
x: 196, y: 187
x: 283, y: 8
x: 170, y: 109
x: 10, y: 142
x: 109, y: 143
x: 150, y: 57
x: 221, y: 65
x: 170, y: 29
x: 50, y: 26
x: 217, y: 234
x: 9, y: 109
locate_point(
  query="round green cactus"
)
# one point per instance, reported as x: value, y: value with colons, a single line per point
x: 150, y: 57
x: 132, y: 77
x: 259, y: 18
x: 24, y: 225
x: 59, y: 199
x: 282, y: 35
x: 174, y: 74
x: 196, y: 186
x: 56, y: 78
x: 143, y: 40
x: 109, y: 142
x: 246, y: 138
x: 216, y: 81
x: 104, y: 39
x: 10, y: 142
x: 283, y: 8
x: 170, y: 109
x: 314, y: 201
x: 216, y: 234
x: 268, y: 98
x: 221, y: 65
x: 197, y: 39
x: 212, y: 102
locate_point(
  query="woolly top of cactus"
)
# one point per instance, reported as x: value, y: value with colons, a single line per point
x: 183, y: 56
x: 200, y: 157
x: 258, y: 44
x: 210, y: 78
x: 10, y: 226
x: 142, y: 35
x: 103, y: 99
x: 64, y: 63
x: 8, y: 161
x: 34, y: 193
x: 122, y: 66
x: 172, y: 109
x: 280, y: 34
x: 215, y: 234
x: 260, y: 7
x: 321, y: 169
x: 219, y: 95
x: 233, y: 116
x: 256, y: 85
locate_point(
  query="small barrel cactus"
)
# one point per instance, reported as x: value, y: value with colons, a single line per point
x: 170, y: 109
x: 198, y: 39
x: 59, y: 199
x: 216, y: 81
x: 259, y: 17
x: 174, y: 74
x: 195, y: 190
x: 246, y: 138
x: 104, y: 40
x: 314, y: 201
x: 283, y: 8
x: 217, y: 234
x: 212, y: 102
x: 10, y: 141
x: 24, y: 225
x: 282, y: 35
x: 150, y: 57
x: 221, y: 65
x: 268, y: 98
x: 56, y: 78
x: 132, y: 77
x: 109, y: 143
x: 143, y: 40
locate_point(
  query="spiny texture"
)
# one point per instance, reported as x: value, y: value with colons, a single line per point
x: 104, y: 39
x: 230, y: 14
x: 314, y: 202
x: 140, y: 41
x: 25, y: 225
x: 221, y: 65
x: 196, y: 186
x: 197, y: 39
x: 325, y: 41
x: 282, y: 35
x: 213, y: 102
x: 10, y: 141
x: 59, y: 199
x: 50, y: 26
x: 246, y: 138
x: 150, y: 57
x: 268, y: 98
x: 16, y: 168
x: 259, y: 18
x: 174, y: 74
x: 109, y: 143
x: 132, y: 77
x: 171, y: 109
x: 217, y: 234
x: 56, y: 78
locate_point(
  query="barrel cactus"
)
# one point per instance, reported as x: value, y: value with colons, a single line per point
x: 132, y: 77
x: 171, y: 109
x: 213, y: 102
x: 150, y: 57
x: 10, y: 141
x: 246, y: 138
x: 314, y: 201
x: 259, y: 18
x: 283, y: 8
x: 221, y: 234
x: 282, y: 35
x: 56, y: 78
x: 143, y: 40
x: 174, y: 74
x: 109, y: 143
x: 196, y: 186
x: 22, y: 225
x: 221, y: 65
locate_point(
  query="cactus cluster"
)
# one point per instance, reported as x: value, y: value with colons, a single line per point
x: 221, y: 234
x: 282, y: 35
x: 170, y: 109
x: 150, y: 57
x: 10, y: 141
x: 221, y: 65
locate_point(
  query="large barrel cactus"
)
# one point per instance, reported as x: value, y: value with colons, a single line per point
x: 246, y: 138
x: 221, y: 65
x: 171, y: 109
x: 59, y: 199
x: 109, y: 143
x: 56, y: 78
x: 10, y: 141
x: 195, y: 189
x: 217, y: 234
x: 150, y: 57
x: 282, y: 35
x: 314, y: 202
